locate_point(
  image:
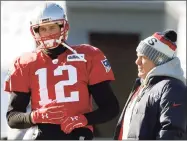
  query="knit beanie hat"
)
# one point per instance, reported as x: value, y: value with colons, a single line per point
x: 160, y: 47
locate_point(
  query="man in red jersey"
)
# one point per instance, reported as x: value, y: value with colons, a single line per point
x: 60, y: 82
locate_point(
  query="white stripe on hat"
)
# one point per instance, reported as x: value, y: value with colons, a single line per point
x: 160, y: 46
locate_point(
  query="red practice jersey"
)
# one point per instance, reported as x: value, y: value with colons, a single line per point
x: 64, y: 79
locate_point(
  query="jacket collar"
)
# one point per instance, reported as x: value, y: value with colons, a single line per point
x: 152, y: 80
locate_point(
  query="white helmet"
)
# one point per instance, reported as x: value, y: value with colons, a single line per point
x: 48, y: 14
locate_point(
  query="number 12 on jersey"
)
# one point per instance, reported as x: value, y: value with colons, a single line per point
x: 59, y: 87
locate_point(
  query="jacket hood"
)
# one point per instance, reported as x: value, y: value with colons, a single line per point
x: 170, y: 69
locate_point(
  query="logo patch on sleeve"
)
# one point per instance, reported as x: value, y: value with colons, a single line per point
x: 106, y: 65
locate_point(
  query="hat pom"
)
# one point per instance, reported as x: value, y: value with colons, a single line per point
x: 170, y: 35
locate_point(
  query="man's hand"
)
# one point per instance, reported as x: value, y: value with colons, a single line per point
x: 70, y: 123
x: 49, y: 113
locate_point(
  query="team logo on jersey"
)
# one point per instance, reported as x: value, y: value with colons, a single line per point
x: 106, y: 65
x: 75, y: 57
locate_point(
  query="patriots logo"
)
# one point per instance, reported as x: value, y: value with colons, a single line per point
x: 106, y: 65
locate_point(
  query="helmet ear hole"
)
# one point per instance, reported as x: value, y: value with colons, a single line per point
x: 61, y: 26
x: 36, y: 30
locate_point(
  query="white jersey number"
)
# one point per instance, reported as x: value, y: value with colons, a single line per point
x: 59, y: 87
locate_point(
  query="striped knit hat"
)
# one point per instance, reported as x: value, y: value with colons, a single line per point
x: 160, y: 47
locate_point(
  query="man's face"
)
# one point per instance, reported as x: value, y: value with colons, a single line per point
x: 49, y: 29
x: 144, y: 65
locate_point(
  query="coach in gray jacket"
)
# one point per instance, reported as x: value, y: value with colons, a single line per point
x: 157, y: 105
